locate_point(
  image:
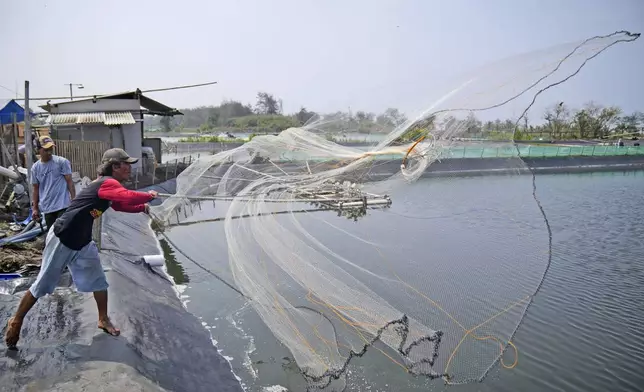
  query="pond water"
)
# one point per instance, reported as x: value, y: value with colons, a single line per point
x: 469, y: 244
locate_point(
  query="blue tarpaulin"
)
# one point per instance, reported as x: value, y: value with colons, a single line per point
x: 6, y: 113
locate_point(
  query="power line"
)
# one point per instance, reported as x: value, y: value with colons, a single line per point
x: 179, y: 87
x: 101, y: 95
x: 10, y: 90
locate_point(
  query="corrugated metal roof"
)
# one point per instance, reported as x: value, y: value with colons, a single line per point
x: 90, y: 118
x: 116, y: 118
x: 152, y: 106
x: 63, y: 118
x: 119, y: 118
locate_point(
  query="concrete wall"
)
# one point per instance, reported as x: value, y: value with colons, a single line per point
x: 465, y: 167
x: 101, y: 105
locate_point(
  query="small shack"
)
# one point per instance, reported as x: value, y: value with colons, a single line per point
x: 12, y: 123
x: 115, y: 119
x: 12, y: 130
x: 11, y: 111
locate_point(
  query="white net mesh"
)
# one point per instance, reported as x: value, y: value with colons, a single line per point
x: 451, y: 314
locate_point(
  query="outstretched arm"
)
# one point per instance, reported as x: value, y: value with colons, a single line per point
x: 125, y: 207
x: 123, y: 199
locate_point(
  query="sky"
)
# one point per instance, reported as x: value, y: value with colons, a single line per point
x: 325, y: 55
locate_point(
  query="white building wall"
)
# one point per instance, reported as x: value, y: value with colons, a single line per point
x: 131, y: 133
x: 92, y: 132
x: 133, y: 141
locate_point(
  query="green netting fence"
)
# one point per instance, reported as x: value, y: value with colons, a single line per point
x: 526, y: 151
x: 530, y: 151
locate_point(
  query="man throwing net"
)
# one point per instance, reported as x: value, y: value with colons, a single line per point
x: 69, y: 242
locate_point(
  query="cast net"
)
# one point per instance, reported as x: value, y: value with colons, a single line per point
x: 447, y: 298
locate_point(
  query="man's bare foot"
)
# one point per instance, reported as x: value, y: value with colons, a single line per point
x: 106, y: 325
x: 12, y: 335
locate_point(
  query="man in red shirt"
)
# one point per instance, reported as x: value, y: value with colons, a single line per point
x: 69, y: 242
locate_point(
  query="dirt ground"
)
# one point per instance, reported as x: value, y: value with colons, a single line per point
x: 15, y: 256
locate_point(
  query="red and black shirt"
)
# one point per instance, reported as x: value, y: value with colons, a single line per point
x: 74, y: 226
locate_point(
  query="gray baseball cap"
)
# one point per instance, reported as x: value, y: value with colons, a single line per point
x: 118, y: 154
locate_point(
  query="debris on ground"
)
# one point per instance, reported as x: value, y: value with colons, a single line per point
x: 16, y: 256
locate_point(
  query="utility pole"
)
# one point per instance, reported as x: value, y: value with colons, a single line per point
x: 71, y: 93
x: 28, y: 142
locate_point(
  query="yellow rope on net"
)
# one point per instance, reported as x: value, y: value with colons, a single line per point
x: 467, y: 332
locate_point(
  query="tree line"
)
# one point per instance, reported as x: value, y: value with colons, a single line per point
x: 559, y: 121
x: 266, y: 115
x: 590, y: 121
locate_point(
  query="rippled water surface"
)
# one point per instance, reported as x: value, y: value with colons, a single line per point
x: 583, y: 332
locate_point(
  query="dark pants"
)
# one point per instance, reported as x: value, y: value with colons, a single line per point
x: 51, y: 217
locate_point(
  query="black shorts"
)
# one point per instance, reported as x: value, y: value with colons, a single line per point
x: 51, y: 217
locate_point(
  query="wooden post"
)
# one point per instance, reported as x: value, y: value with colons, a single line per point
x: 28, y: 141
x: 2, y: 152
x: 14, y: 137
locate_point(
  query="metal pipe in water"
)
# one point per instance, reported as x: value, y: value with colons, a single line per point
x: 242, y: 198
